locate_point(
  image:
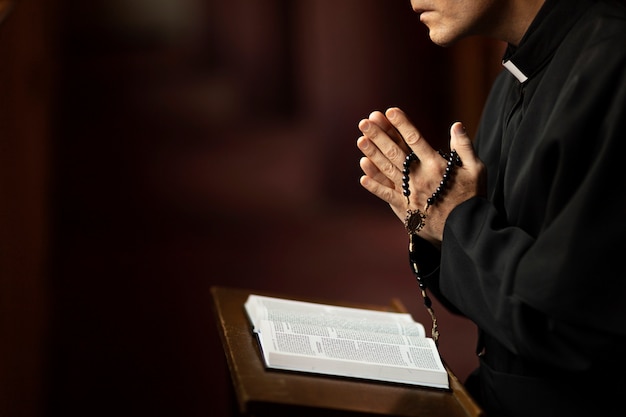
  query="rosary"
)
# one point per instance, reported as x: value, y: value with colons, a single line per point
x: 416, y: 220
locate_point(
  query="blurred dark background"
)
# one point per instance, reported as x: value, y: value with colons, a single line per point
x: 152, y: 149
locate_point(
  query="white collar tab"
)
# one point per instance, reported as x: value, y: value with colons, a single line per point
x: 515, y: 71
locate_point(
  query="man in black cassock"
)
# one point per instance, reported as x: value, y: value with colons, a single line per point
x: 526, y: 233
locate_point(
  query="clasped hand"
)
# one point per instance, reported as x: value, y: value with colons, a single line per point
x: 387, y: 140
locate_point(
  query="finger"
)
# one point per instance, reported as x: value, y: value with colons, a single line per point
x: 379, y: 159
x: 385, y: 144
x: 385, y: 193
x: 411, y: 135
x: 461, y: 142
x: 381, y: 120
x: 372, y: 171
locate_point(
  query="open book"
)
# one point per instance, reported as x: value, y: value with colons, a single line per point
x: 343, y: 341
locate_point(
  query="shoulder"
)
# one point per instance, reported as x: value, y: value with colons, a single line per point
x: 604, y: 23
x: 594, y: 51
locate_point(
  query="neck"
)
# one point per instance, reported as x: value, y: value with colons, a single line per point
x: 518, y: 16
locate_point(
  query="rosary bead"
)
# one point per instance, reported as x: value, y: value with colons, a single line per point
x: 406, y: 169
x: 453, y: 161
x: 422, y: 284
x: 427, y: 302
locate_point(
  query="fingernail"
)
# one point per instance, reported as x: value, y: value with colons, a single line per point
x: 391, y: 114
x: 365, y: 125
x: 459, y: 129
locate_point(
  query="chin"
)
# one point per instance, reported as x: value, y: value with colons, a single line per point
x: 442, y: 38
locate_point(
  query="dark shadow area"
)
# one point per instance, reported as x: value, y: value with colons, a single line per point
x: 204, y: 143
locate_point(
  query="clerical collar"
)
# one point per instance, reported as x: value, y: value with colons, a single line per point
x: 554, y: 20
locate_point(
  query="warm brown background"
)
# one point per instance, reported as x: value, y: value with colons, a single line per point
x: 151, y: 149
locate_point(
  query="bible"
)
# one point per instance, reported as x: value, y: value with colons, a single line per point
x: 344, y: 341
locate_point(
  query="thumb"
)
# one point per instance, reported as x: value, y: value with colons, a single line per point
x: 460, y: 141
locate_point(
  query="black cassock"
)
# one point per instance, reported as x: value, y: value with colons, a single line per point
x: 539, y: 265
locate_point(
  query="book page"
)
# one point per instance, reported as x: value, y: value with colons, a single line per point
x: 347, y: 344
x: 314, y: 314
x: 332, y: 351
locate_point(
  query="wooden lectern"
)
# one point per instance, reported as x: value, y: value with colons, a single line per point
x: 262, y: 392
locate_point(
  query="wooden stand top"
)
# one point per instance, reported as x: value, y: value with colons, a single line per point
x: 265, y: 392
